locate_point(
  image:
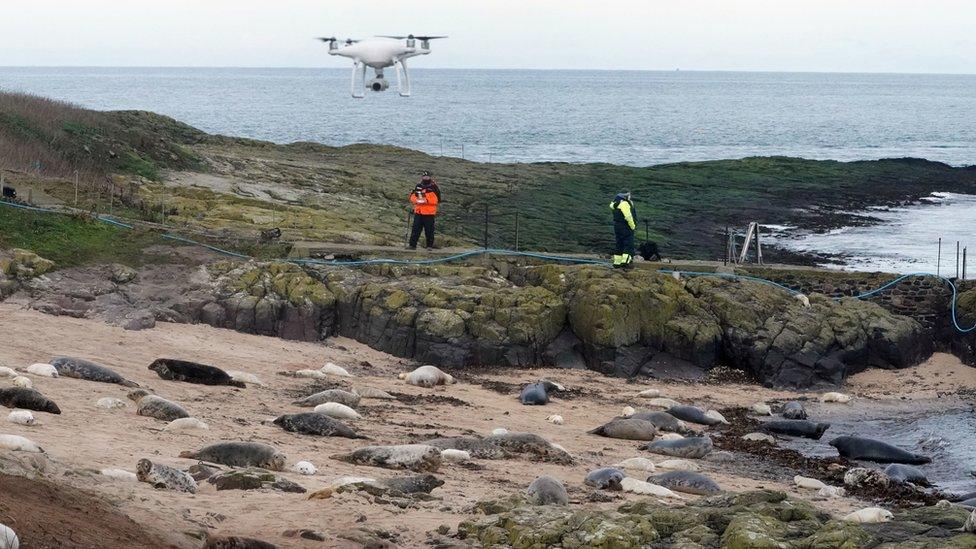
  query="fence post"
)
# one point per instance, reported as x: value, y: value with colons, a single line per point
x: 964, y: 262
x: 486, y: 225
x: 938, y: 260
x: 759, y: 258
x: 728, y: 246
x: 516, y: 230
x: 76, y: 188
x: 957, y: 259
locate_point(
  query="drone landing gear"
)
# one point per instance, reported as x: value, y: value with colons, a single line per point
x: 403, y: 77
x: 358, y: 80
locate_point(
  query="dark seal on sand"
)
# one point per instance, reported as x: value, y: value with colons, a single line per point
x: 191, y: 372
x: 28, y: 399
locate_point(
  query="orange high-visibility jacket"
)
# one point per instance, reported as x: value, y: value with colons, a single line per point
x: 424, y: 208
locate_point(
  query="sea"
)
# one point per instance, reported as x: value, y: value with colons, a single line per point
x: 637, y: 118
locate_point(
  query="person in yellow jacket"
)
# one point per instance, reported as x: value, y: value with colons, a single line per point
x: 624, y: 224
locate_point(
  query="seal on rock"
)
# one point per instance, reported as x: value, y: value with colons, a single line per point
x: 906, y: 473
x: 796, y: 428
x: 688, y: 482
x: 427, y: 376
x: 875, y: 450
x: 870, y: 515
x: 538, y: 393
x: 89, y: 371
x: 637, y: 486
x: 663, y: 421
x: 794, y: 410
x: 191, y: 372
x: 156, y: 406
x: 546, y: 490
x: 693, y: 414
x: 314, y: 423
x: 416, y: 457
x: 691, y: 447
x: 606, y: 478
x: 330, y: 395
x: 28, y: 399
x: 627, y: 429
x: 240, y: 454
x: 162, y: 476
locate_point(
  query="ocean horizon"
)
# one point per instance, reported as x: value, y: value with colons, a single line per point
x: 629, y: 117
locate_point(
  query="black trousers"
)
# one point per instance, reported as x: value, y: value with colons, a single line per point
x: 423, y: 223
x: 625, y: 240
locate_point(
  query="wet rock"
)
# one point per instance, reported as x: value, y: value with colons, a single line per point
x: 139, y: 320
x: 121, y: 274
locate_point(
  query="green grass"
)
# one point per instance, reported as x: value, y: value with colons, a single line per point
x: 72, y: 241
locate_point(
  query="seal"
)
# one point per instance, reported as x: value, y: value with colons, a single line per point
x: 337, y: 411
x: 474, y: 446
x: 89, y: 371
x: 795, y: 428
x: 184, y: 424
x: 555, y: 419
x: 7, y: 372
x: 687, y: 482
x: 412, y: 484
x: 761, y: 409
x: 182, y: 370
x: 28, y: 399
x: 840, y: 398
x: 330, y: 395
x: 240, y: 454
x: 636, y: 464
x: 109, y: 403
x: 427, y: 376
x: 870, y: 515
x: 875, y: 450
x: 455, y: 456
x: 372, y: 392
x: 304, y: 468
x: 43, y: 370
x: 8, y: 538
x: 333, y: 370
x: 546, y: 490
x: 678, y: 465
x: 236, y: 542
x: 627, y: 429
x: 794, y: 410
x: 532, y: 444
x: 637, y: 486
x: 663, y: 421
x: 120, y: 474
x: 538, y: 393
x: 906, y: 473
x: 23, y: 382
x: 245, y: 377
x: 808, y: 483
x: 314, y: 423
x: 162, y: 476
x: 16, y: 443
x: 415, y: 457
x: 21, y: 417
x: 691, y: 447
x: 606, y: 478
x: 156, y: 406
x: 693, y: 414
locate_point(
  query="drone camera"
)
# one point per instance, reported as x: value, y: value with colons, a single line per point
x: 378, y: 84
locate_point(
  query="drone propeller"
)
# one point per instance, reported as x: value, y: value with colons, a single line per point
x: 412, y: 37
x: 333, y: 39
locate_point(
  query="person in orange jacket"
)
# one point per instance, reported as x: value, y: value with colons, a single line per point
x: 424, y: 198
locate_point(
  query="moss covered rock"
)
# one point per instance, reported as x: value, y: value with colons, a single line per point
x: 24, y: 265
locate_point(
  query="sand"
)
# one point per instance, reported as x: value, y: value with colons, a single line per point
x: 85, y: 438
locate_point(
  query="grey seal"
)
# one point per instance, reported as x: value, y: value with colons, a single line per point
x: 794, y: 410
x: 692, y: 414
x: 546, y: 490
x: 538, y: 393
x: 478, y: 448
x: 415, y: 457
x: 191, y: 372
x: 663, y: 421
x: 155, y: 406
x: 796, y: 428
x: 236, y: 542
x: 875, y: 450
x: 313, y: 423
x: 162, y: 476
x: 331, y: 395
x: 906, y: 473
x: 413, y: 484
x: 240, y: 454
x: 532, y: 444
x: 627, y: 429
x: 691, y: 447
x: 28, y: 399
x: 607, y: 478
x: 89, y: 371
x: 688, y: 482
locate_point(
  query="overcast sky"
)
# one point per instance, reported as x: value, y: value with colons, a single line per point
x: 776, y: 35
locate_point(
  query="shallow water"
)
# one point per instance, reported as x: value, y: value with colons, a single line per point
x: 941, y: 429
x: 906, y: 240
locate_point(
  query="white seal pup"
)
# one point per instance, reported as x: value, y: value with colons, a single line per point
x: 637, y: 486
x: 547, y: 490
x: 329, y: 395
x: 245, y: 377
x: 120, y: 474
x: 835, y: 397
x: 804, y: 300
x: 7, y: 372
x: 337, y: 411
x: 309, y: 374
x: 21, y: 417
x: 970, y: 526
x: 240, y: 454
x: 372, y: 392
x: 759, y: 437
x: 23, y: 382
x: 498, y: 431
x: 636, y: 464
x: 808, y: 483
x: 831, y: 492
x: 42, y: 370
x: 89, y: 371
x: 555, y: 419
x: 688, y: 482
x: 304, y: 468
x: 455, y: 456
x: 717, y: 416
x: 671, y: 436
x: 162, y: 476
x: 627, y: 411
x: 8, y: 538
x: 155, y: 406
x: 16, y: 443
x: 427, y: 376
x: 661, y: 402
x: 416, y: 457
x: 333, y: 370
x: 627, y: 429
x: 761, y: 409
x: 870, y: 515
x: 677, y: 465
x: 184, y: 424
x: 649, y: 393
x: 109, y: 403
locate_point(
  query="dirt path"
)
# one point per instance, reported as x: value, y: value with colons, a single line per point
x: 84, y: 438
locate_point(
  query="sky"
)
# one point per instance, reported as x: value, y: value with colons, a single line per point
x: 911, y: 36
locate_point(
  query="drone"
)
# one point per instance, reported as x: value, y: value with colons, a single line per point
x: 379, y: 53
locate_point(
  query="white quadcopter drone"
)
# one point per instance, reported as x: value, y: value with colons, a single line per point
x: 379, y: 53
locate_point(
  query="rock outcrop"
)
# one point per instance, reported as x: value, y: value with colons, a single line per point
x: 964, y: 345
